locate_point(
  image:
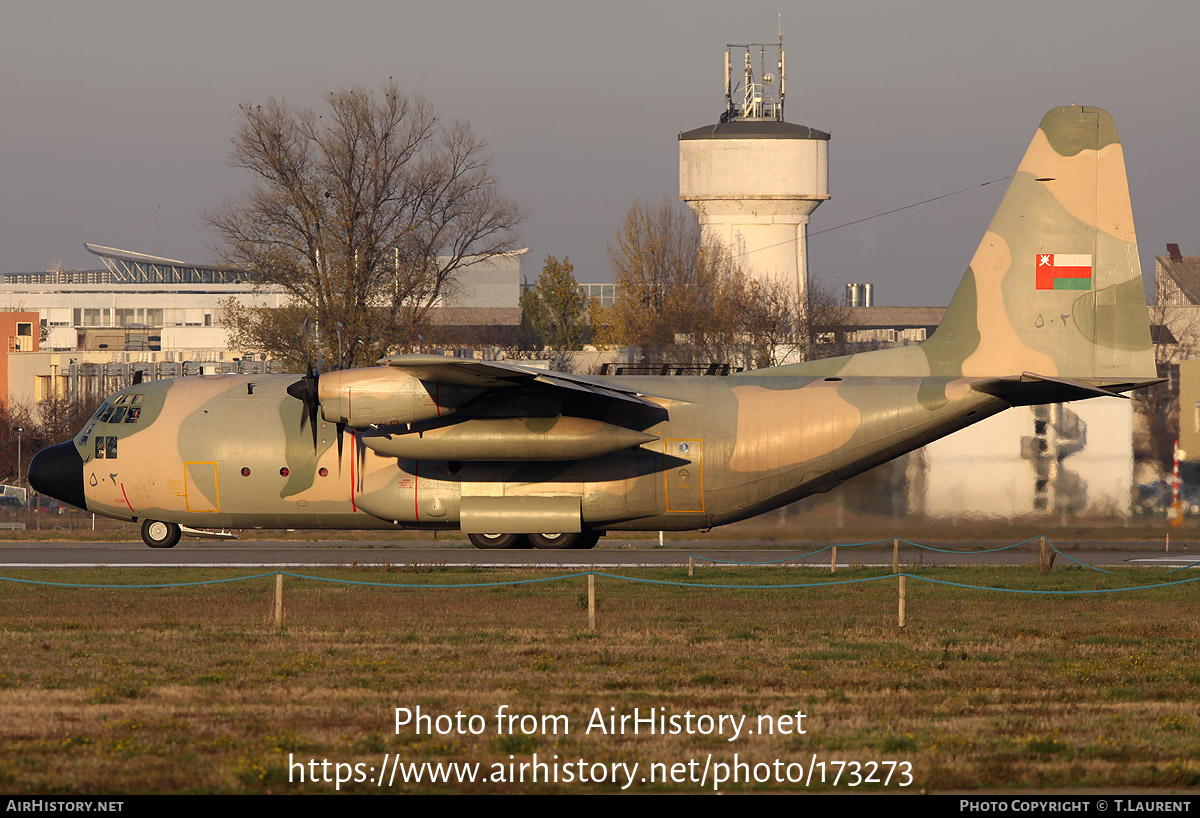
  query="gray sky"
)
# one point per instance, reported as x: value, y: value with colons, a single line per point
x: 117, y: 116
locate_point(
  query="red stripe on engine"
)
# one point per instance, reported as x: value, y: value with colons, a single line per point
x: 353, y: 457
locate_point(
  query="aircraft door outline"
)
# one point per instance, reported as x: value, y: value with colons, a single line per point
x: 200, y: 490
x: 684, y: 484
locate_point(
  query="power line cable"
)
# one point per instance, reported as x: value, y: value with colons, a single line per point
x: 877, y: 215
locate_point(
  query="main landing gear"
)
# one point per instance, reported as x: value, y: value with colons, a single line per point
x: 584, y: 539
x: 158, y: 534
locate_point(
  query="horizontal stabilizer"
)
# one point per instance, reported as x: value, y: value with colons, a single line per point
x: 1030, y: 388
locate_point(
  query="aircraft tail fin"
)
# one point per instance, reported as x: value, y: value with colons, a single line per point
x: 1054, y: 290
x: 1055, y: 287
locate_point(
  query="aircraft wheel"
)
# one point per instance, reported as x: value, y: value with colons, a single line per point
x: 495, y: 540
x: 158, y: 534
x: 553, y: 540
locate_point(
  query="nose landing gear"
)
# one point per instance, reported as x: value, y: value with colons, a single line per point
x: 157, y: 534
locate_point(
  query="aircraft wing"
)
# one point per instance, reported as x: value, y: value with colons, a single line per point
x: 497, y: 374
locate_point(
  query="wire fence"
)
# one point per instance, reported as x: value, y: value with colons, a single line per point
x: 1048, y: 552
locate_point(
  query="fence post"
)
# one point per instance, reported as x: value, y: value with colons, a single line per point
x: 900, y: 615
x: 895, y: 555
x: 691, y: 565
x: 833, y: 560
x: 591, y: 602
x: 279, y: 600
x: 1047, y: 555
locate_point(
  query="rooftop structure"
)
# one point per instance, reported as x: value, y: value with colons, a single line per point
x: 126, y: 267
x: 1178, y: 277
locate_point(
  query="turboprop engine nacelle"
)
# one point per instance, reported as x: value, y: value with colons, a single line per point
x: 533, y: 438
x: 387, y: 396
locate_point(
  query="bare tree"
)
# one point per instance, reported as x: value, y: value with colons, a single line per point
x: 51, y: 421
x: 679, y: 294
x: 682, y: 297
x: 363, y: 214
x: 827, y: 318
x: 786, y: 326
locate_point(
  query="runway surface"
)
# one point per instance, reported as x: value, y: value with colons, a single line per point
x: 611, y: 554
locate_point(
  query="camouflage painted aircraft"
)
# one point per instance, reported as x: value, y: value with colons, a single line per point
x: 1051, y: 309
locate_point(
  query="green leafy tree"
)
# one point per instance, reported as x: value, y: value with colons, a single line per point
x: 555, y: 311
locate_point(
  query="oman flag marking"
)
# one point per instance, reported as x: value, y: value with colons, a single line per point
x: 1063, y: 271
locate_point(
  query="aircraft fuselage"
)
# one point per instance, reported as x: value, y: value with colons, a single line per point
x: 234, y: 451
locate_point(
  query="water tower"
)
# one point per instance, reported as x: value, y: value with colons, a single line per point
x: 752, y: 178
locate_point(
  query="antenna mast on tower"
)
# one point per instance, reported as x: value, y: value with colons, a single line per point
x: 759, y: 99
x: 752, y: 179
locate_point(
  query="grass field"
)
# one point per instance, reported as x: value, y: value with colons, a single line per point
x: 195, y: 689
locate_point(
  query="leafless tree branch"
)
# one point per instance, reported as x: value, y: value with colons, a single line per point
x: 363, y: 214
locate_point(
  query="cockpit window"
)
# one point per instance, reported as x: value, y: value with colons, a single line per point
x: 123, y: 409
x: 106, y: 447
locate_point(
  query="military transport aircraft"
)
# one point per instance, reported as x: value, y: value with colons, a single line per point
x: 1051, y: 309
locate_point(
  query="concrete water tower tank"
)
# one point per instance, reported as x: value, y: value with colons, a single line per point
x: 753, y: 179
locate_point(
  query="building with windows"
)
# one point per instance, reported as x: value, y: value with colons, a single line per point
x: 17, y: 328
x: 605, y: 294
x: 874, y: 327
x: 137, y: 303
x: 92, y: 329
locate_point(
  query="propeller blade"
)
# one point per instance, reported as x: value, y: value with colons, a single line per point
x: 305, y: 391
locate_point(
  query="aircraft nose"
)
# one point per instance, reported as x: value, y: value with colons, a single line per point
x: 58, y: 472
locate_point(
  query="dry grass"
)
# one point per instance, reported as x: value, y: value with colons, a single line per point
x: 193, y: 689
